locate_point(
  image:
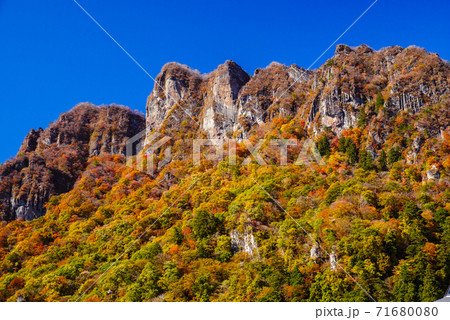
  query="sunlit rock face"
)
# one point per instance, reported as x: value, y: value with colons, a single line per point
x: 50, y: 161
x: 228, y: 102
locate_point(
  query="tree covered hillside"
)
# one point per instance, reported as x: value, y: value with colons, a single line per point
x: 354, y: 229
x: 371, y: 222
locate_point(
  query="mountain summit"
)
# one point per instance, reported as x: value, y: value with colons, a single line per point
x: 50, y: 161
x: 367, y: 219
x: 228, y: 101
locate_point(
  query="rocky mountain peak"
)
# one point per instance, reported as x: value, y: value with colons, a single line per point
x: 342, y: 49
x: 345, y: 49
x: 31, y: 141
x: 176, y: 84
x: 220, y: 96
x: 176, y: 80
x: 230, y: 76
x: 182, y: 93
x: 228, y: 101
x: 50, y: 161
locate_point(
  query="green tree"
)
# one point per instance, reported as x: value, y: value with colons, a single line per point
x: 443, y: 256
x: 394, y: 155
x: 148, y: 280
x: 223, y: 250
x: 204, y: 223
x: 119, y: 277
x: 366, y: 160
x: 352, y: 151
x: 362, y: 121
x: 342, y: 144
x: 412, y: 224
x: 203, y: 288
x: 396, y: 171
x: 204, y: 249
x: 148, y: 251
x: 171, y: 275
x: 324, y: 146
x: 440, y: 215
x: 177, y: 235
x: 405, y: 288
x: 430, y: 290
x: 328, y: 287
x: 333, y: 192
x: 379, y: 101
x: 134, y: 292
x: 382, y: 161
x: 411, y: 212
x: 147, y: 286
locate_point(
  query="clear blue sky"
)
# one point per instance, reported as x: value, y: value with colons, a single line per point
x: 53, y: 56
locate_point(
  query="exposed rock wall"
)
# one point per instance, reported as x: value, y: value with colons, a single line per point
x: 244, y: 242
x: 229, y: 102
x: 51, y: 160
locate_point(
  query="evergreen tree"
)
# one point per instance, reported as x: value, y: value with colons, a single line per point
x: 324, y: 146
x: 223, y: 249
x: 333, y: 193
x: 440, y: 215
x: 431, y: 290
x: 177, y: 235
x: 379, y: 102
x: 148, y: 281
x: 202, y: 288
x: 394, y: 155
x: 342, y: 144
x: 362, y: 121
x: 405, y: 288
x: 204, y: 223
x: 382, y: 161
x: 171, y: 275
x: 204, y: 249
x: 411, y: 212
x: 443, y: 256
x: 352, y: 151
x: 366, y: 160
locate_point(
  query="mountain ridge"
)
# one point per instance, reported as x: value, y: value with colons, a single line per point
x: 50, y: 161
x: 371, y: 221
x: 360, y: 73
x: 229, y: 103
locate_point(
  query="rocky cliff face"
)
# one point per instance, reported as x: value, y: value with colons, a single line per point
x: 407, y: 78
x: 50, y: 161
x: 225, y: 101
x: 208, y: 101
x: 222, y: 91
x: 229, y: 102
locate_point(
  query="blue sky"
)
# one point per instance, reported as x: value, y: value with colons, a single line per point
x: 53, y: 56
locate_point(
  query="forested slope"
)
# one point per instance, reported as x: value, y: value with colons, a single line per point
x: 369, y: 223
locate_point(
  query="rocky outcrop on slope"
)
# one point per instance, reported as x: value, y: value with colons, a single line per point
x: 223, y: 101
x: 407, y: 78
x: 277, y: 90
x: 51, y: 160
x: 176, y: 85
x: 220, y: 107
x: 31, y: 141
x: 229, y: 102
